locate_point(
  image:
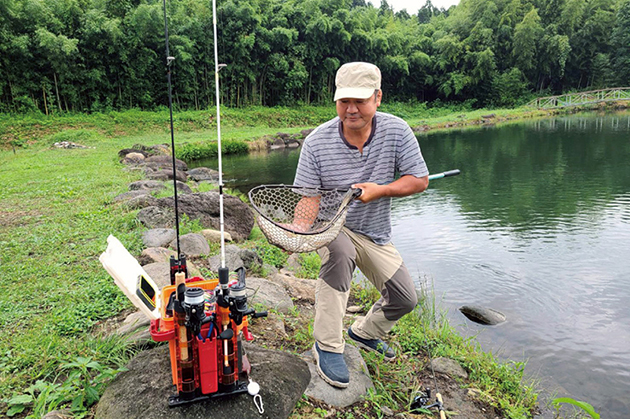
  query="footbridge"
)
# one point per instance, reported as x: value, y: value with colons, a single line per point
x: 582, y: 98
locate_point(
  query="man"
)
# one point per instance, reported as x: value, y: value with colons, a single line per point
x: 365, y: 149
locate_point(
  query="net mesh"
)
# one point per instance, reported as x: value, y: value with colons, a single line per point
x: 300, y: 219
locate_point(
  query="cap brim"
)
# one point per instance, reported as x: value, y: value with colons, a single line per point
x: 353, y: 93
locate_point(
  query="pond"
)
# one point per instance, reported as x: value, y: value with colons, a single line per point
x: 537, y: 226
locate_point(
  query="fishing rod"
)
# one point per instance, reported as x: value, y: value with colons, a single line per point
x: 169, y: 61
x: 454, y: 172
x: 423, y: 401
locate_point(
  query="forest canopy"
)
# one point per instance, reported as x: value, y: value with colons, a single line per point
x: 95, y: 55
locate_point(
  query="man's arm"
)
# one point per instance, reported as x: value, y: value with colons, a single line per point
x: 405, y: 186
x: 305, y: 214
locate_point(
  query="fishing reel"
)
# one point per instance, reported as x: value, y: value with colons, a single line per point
x: 193, y: 305
x: 422, y: 402
x: 235, y: 297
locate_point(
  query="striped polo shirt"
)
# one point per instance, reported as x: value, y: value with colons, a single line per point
x: 327, y: 160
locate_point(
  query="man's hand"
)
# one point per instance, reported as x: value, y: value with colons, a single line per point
x: 370, y: 191
x: 405, y: 186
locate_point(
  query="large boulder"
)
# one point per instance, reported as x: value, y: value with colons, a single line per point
x: 360, y: 381
x: 143, y: 390
x: 157, y: 216
x: 483, y: 315
x: 203, y: 174
x: 165, y: 162
x: 166, y: 174
x: 269, y: 294
x: 160, y: 272
x: 126, y: 196
x: 191, y: 244
x: 300, y: 289
x: 156, y: 254
x: 204, y: 207
x: 146, y: 184
x: 158, y: 237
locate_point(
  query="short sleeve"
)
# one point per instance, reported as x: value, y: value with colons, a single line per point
x: 409, y: 160
x: 307, y: 173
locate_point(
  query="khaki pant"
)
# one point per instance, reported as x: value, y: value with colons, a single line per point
x: 384, y: 268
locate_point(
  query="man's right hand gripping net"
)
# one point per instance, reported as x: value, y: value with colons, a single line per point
x: 299, y: 219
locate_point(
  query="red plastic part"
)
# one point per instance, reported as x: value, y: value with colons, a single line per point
x: 247, y: 334
x: 194, y: 279
x: 160, y: 336
x: 207, y: 355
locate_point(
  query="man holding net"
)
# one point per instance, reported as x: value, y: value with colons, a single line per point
x: 379, y: 154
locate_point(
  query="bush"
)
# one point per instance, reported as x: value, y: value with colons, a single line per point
x: 196, y: 151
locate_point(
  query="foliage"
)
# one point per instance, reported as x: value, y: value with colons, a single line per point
x: 587, y: 408
x: 271, y: 255
x: 309, y: 265
x: 104, y: 56
x: 196, y: 151
x: 85, y: 382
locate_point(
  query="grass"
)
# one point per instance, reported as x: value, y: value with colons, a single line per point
x: 56, y: 211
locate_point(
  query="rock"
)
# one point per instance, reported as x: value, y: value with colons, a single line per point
x: 269, y: 269
x: 204, y: 207
x: 232, y: 259
x: 157, y: 217
x: 146, y: 184
x: 166, y: 162
x: 269, y: 294
x: 203, y: 174
x: 250, y: 258
x: 387, y: 411
x: 126, y: 151
x: 490, y: 116
x: 449, y: 367
x: 131, y: 194
x: 68, y: 145
x: 272, y: 327
x: 482, y: 315
x: 166, y: 174
x: 293, y: 262
x: 191, y: 244
x: 354, y: 309
x: 160, y: 273
x: 133, y: 158
x: 143, y: 390
x: 214, y: 236
x: 133, y: 322
x: 141, y: 201
x: 182, y: 188
x: 278, y: 143
x: 59, y: 414
x: 360, y: 381
x: 158, y: 237
x: 300, y: 289
x: 293, y: 144
x: 156, y: 254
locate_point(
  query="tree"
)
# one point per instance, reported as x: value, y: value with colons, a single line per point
x: 621, y: 44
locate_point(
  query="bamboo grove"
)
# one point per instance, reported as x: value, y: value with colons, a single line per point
x: 97, y: 55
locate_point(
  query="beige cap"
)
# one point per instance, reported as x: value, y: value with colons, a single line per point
x: 357, y: 81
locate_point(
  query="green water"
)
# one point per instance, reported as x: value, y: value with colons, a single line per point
x: 537, y: 226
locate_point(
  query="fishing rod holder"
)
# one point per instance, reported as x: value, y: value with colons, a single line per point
x: 204, y: 323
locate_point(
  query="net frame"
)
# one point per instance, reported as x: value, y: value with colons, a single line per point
x: 297, y: 241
